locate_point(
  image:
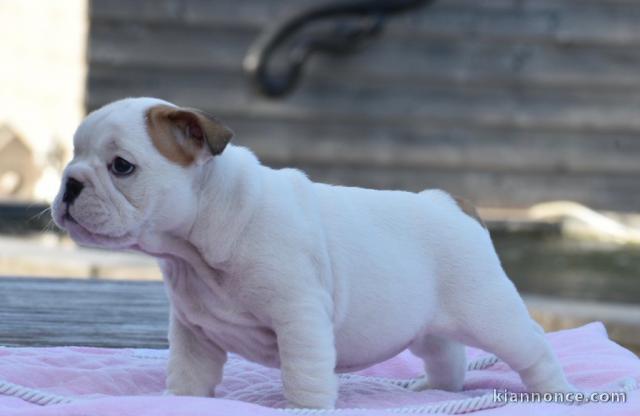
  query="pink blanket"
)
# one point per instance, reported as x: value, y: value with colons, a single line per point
x: 78, y: 381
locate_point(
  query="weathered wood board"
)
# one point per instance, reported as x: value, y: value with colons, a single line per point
x: 51, y: 312
x: 507, y: 102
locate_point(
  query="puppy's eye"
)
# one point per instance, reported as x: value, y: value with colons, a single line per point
x: 121, y: 167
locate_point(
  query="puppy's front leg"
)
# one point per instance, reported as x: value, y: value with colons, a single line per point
x: 195, y: 365
x: 307, y: 354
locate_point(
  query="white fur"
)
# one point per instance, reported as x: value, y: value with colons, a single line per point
x: 308, y: 277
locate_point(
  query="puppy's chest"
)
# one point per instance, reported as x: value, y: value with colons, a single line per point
x: 222, y: 319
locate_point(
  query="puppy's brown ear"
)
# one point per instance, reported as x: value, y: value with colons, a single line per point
x: 181, y: 134
x: 200, y: 128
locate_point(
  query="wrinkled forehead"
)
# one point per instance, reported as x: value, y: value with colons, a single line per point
x: 119, y: 124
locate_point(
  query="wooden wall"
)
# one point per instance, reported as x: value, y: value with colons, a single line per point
x: 506, y: 102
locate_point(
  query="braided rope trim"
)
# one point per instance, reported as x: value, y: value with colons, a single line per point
x: 30, y: 395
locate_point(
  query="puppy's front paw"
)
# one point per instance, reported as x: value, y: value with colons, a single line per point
x: 316, y: 403
x: 180, y: 383
x: 426, y: 383
x: 320, y: 396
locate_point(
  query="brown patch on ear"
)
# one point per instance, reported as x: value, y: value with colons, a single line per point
x: 470, y: 210
x: 165, y: 123
x: 161, y: 131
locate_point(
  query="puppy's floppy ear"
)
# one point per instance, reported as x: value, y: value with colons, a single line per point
x: 183, y: 135
x: 200, y: 128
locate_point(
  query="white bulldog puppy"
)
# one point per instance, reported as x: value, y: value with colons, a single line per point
x: 310, y: 278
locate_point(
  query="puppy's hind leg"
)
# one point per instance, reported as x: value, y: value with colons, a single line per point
x: 444, y: 361
x: 492, y: 316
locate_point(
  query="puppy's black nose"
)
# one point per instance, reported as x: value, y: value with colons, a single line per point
x: 72, y: 190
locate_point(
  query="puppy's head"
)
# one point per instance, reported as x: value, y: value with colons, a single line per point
x: 135, y: 169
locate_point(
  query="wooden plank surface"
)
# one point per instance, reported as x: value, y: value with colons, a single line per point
x: 100, y: 313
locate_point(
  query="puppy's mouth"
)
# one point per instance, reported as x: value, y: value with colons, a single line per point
x: 84, y: 236
x: 68, y: 217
